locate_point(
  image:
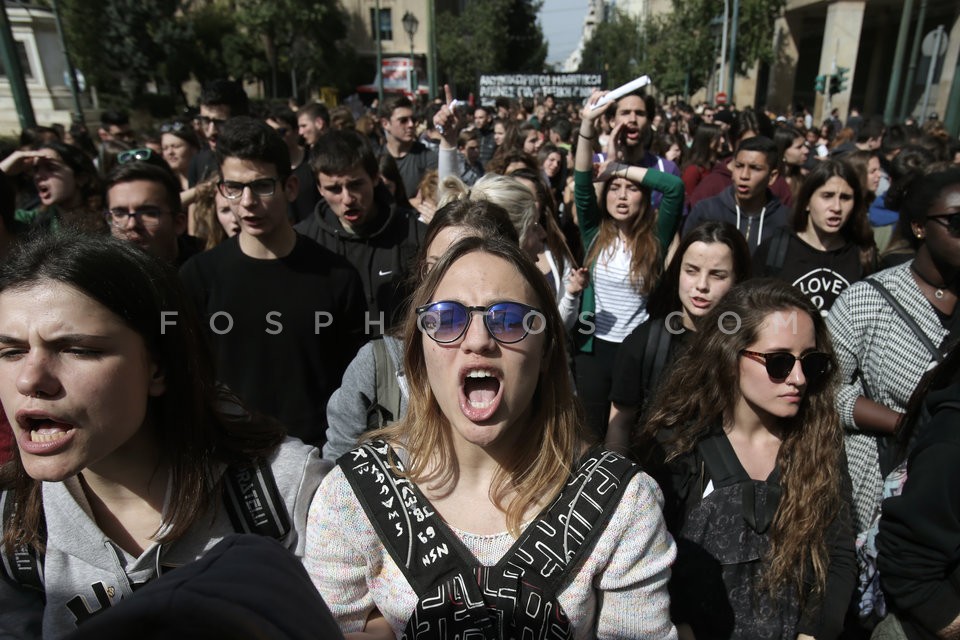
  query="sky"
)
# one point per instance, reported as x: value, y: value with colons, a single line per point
x: 562, y: 22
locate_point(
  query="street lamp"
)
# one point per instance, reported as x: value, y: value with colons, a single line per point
x: 410, y: 24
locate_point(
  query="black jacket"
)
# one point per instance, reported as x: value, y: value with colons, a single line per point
x: 384, y: 256
x: 246, y: 588
x: 919, y: 539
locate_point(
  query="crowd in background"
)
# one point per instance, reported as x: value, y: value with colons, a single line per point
x: 308, y: 252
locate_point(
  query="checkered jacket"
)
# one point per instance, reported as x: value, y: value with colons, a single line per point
x: 870, y: 337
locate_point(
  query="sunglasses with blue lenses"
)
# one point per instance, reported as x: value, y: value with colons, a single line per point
x: 508, y: 322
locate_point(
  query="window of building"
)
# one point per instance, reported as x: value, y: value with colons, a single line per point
x: 24, y: 62
x: 386, y: 24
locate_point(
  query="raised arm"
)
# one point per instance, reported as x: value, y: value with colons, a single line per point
x: 448, y: 124
x: 583, y: 161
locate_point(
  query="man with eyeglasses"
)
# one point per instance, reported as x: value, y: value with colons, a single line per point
x: 144, y: 207
x: 400, y: 128
x: 220, y: 100
x: 284, y: 122
x: 358, y: 219
x: 285, y: 316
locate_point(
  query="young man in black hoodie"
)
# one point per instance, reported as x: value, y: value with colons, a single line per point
x: 358, y: 219
x: 748, y: 203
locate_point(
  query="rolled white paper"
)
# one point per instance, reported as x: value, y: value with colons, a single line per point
x: 623, y: 90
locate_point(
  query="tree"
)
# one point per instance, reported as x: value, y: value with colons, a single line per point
x: 678, y: 50
x: 615, y: 49
x: 124, y: 44
x: 490, y: 36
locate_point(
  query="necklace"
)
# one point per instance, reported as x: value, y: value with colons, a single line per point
x: 938, y: 294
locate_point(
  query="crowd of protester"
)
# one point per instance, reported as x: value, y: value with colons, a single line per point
x: 527, y: 369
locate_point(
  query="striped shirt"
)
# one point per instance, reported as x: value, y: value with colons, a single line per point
x: 619, y: 308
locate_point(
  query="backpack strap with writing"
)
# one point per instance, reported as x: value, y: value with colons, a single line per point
x: 253, y: 501
x: 655, y: 354
x: 423, y: 548
x: 24, y: 566
x: 517, y: 596
x: 777, y: 253
x: 568, y: 529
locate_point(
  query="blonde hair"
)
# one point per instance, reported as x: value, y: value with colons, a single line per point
x: 504, y: 191
x: 207, y: 226
x: 554, y: 434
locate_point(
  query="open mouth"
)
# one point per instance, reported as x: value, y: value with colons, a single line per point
x: 45, y: 430
x: 480, y: 393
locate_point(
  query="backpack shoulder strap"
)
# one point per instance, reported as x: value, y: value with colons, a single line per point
x: 655, y: 354
x: 552, y: 546
x: 406, y: 523
x: 24, y: 566
x: 253, y: 501
x: 721, y: 461
x: 777, y: 254
x: 907, y: 318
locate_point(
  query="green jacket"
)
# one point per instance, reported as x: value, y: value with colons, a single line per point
x: 47, y: 219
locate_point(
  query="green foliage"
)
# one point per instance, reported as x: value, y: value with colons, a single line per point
x: 677, y: 49
x: 125, y: 43
x: 615, y: 48
x: 489, y: 36
x: 122, y: 45
x: 298, y: 37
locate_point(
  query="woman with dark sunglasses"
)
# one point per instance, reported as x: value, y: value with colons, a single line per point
x: 483, y: 512
x: 887, y: 339
x: 746, y: 444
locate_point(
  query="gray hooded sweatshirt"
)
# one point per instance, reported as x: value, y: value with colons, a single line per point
x: 86, y: 572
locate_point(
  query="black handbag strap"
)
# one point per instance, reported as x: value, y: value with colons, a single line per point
x: 907, y: 319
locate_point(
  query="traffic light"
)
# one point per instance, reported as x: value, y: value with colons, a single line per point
x: 834, y: 85
x: 842, y: 73
x: 820, y: 85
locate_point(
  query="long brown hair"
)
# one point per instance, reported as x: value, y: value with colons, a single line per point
x: 645, y: 261
x: 554, y: 428
x: 856, y: 230
x: 695, y: 399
